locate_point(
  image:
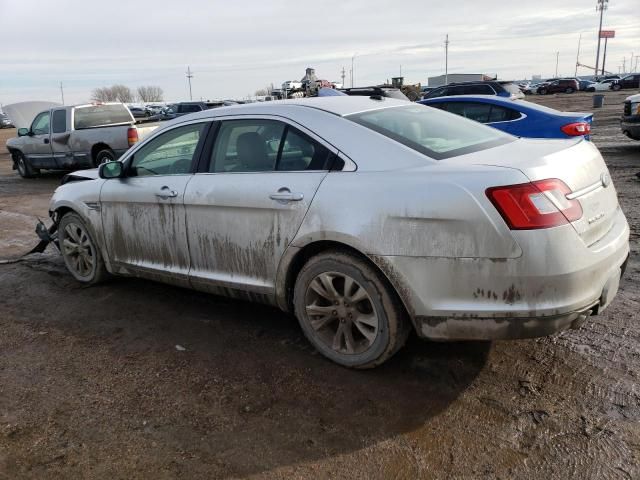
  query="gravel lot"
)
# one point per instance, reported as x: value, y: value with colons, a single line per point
x: 93, y: 386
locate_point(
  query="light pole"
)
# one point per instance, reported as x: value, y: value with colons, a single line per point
x: 352, y: 71
x: 601, y: 6
x: 557, y: 59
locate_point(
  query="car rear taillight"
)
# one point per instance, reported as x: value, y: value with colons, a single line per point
x: 132, y: 135
x: 540, y: 204
x: 576, y: 129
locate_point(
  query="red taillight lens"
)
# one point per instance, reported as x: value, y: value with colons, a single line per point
x: 541, y: 204
x: 132, y: 135
x: 577, y: 128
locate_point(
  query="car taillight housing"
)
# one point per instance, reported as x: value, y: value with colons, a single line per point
x: 540, y: 204
x: 132, y: 135
x: 576, y: 129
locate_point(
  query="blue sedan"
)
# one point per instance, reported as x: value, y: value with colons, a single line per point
x: 517, y: 117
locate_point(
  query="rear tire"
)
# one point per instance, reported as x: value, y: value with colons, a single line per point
x: 543, y: 91
x: 25, y: 170
x: 348, y: 311
x: 80, y: 251
x: 569, y: 90
x: 616, y: 87
x: 104, y: 156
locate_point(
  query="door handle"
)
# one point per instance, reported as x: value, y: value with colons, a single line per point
x: 284, y: 195
x: 165, y: 192
x: 46, y: 140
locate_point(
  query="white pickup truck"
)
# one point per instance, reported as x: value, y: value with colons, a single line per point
x: 74, y: 137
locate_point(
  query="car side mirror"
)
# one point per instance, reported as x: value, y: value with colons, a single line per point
x: 111, y: 170
x: 23, y: 132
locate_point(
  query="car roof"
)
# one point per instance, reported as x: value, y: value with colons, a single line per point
x: 339, y: 105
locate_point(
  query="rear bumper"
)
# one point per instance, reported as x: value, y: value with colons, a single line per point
x: 552, y: 286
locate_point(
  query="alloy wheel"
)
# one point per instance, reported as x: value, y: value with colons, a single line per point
x: 341, y: 313
x: 78, y: 250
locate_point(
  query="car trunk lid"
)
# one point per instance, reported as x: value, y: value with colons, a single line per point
x: 578, y: 164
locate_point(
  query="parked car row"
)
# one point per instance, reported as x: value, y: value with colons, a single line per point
x: 5, y: 122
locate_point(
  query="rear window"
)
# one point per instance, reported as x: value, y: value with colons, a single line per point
x: 100, y: 115
x: 434, y: 133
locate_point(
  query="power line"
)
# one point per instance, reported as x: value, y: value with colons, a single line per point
x: 189, y: 77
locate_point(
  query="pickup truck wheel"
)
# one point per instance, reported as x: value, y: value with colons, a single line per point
x: 104, y: 156
x: 79, y: 250
x: 348, y: 311
x: 616, y: 87
x: 24, y: 167
x: 569, y: 90
x: 542, y: 91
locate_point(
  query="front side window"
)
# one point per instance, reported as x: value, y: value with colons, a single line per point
x: 438, y: 92
x: 40, y: 124
x: 171, y: 153
x: 431, y: 132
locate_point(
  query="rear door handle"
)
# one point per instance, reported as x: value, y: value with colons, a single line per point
x: 165, y: 192
x: 284, y: 195
x: 46, y: 140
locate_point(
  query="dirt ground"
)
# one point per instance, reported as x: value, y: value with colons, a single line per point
x: 92, y: 384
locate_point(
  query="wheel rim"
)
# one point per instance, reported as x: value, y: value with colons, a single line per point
x: 78, y: 250
x: 21, y: 166
x: 105, y: 159
x: 341, y: 313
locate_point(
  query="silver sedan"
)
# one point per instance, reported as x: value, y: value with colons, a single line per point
x: 365, y: 217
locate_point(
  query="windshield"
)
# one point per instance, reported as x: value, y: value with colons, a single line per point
x: 430, y: 131
x: 100, y: 115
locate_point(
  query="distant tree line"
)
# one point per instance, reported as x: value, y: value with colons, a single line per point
x: 124, y: 94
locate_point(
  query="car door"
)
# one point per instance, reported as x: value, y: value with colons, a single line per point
x: 60, y: 135
x: 245, y: 207
x: 37, y: 148
x: 143, y: 214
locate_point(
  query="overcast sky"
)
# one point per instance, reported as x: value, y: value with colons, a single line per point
x: 236, y: 47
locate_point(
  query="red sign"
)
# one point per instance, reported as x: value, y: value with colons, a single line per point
x: 607, y: 33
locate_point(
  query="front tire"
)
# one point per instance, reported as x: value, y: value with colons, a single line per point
x: 25, y: 170
x: 569, y: 90
x: 79, y: 250
x: 348, y: 311
x: 542, y: 92
x: 616, y: 87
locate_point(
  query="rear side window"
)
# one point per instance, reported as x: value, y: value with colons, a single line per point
x: 100, y: 115
x: 190, y: 108
x: 266, y: 145
x: 438, y: 92
x: 59, y: 121
x: 480, y: 90
x: 431, y: 132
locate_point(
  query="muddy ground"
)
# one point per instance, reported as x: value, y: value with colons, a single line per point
x: 93, y: 386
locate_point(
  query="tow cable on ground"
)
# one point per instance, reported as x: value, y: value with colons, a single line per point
x: 46, y: 235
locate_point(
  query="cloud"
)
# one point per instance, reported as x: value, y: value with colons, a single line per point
x: 236, y: 47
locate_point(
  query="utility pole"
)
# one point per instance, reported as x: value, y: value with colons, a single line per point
x: 557, y: 59
x: 624, y: 64
x: 62, y: 92
x: 189, y: 77
x: 578, y: 55
x: 352, y: 71
x: 601, y: 6
x: 446, y: 59
x: 343, y: 75
x: 604, y: 55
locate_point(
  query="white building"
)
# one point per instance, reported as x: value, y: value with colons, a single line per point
x: 458, y: 77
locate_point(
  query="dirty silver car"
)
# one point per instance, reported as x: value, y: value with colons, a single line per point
x: 366, y: 218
